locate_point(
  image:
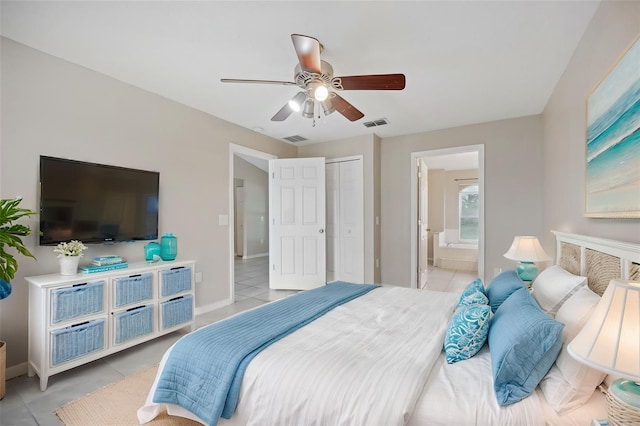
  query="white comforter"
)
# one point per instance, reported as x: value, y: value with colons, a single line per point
x: 462, y: 394
x: 377, y: 361
x: 363, y: 363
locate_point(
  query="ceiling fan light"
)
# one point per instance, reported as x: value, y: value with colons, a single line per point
x: 295, y: 103
x: 327, y: 106
x: 307, y: 112
x: 321, y: 92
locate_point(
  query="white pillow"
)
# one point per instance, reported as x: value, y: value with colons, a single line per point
x: 553, y: 286
x: 569, y: 383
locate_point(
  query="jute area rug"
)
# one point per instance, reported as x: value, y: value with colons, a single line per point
x: 117, y: 404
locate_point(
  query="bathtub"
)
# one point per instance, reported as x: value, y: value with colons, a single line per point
x: 459, y: 256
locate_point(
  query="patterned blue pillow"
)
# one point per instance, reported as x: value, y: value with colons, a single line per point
x: 473, y: 294
x: 467, y: 332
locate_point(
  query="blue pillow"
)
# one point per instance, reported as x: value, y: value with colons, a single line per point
x: 524, y: 343
x: 473, y: 294
x: 501, y: 287
x: 467, y: 332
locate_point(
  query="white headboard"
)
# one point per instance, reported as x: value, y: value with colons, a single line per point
x: 598, y: 259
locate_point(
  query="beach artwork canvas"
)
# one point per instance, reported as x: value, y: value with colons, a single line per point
x: 613, y: 141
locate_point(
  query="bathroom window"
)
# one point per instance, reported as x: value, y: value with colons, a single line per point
x: 469, y: 212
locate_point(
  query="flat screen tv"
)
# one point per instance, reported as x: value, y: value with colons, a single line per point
x: 96, y: 203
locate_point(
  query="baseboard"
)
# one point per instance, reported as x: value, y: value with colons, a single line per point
x: 253, y: 256
x: 16, y: 370
x: 212, y: 307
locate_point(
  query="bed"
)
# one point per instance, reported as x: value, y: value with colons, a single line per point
x: 378, y: 359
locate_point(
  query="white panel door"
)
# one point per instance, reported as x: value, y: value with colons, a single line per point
x: 351, y: 223
x: 333, y: 220
x: 297, y: 229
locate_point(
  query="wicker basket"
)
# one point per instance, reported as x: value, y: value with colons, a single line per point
x: 620, y: 414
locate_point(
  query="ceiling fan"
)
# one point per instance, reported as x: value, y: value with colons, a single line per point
x: 315, y: 77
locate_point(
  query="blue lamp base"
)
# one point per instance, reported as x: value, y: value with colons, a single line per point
x: 527, y: 271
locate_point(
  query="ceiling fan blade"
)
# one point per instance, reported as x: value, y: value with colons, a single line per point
x: 294, y: 104
x: 350, y: 112
x: 283, y: 114
x: 373, y: 82
x: 308, y: 51
x: 239, y: 80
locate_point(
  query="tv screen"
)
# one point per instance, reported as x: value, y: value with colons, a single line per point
x: 96, y: 203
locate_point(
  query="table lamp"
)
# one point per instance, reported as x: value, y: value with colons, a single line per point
x: 610, y: 342
x: 526, y: 250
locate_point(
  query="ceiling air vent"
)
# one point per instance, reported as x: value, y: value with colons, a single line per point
x: 375, y: 123
x: 295, y: 138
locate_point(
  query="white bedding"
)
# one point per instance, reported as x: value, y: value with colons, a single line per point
x: 462, y: 394
x: 363, y: 363
x: 315, y: 375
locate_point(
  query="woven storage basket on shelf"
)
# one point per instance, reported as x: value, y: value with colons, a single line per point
x: 620, y: 414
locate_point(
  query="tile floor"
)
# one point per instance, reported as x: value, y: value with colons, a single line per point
x: 24, y: 404
x: 252, y: 281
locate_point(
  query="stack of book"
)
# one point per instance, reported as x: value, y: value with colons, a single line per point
x: 104, y: 263
x: 106, y: 260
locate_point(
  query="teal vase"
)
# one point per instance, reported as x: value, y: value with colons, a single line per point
x: 152, y: 252
x: 168, y: 247
x: 5, y: 289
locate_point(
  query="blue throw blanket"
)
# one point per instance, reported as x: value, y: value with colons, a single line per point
x: 204, y: 370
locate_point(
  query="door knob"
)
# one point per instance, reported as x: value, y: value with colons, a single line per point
x: 322, y: 231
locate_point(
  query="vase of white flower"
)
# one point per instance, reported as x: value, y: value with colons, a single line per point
x: 69, y: 255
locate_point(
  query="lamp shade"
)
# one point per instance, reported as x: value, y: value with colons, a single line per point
x: 309, y: 105
x: 296, y: 102
x: 610, y: 340
x: 526, y: 249
x: 327, y: 106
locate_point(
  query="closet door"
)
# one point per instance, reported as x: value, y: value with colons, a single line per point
x: 345, y: 220
x: 332, y: 173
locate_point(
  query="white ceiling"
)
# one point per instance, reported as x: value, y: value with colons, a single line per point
x: 465, y: 61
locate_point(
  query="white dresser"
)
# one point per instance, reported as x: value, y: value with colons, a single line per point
x: 77, y: 319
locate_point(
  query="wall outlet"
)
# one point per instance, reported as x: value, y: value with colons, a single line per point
x: 198, y: 277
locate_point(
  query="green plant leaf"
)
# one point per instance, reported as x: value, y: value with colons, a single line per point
x: 8, y: 266
x: 10, y: 236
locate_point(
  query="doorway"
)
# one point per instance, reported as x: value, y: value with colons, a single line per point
x: 248, y: 236
x: 301, y: 256
x: 352, y: 227
x: 464, y: 188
